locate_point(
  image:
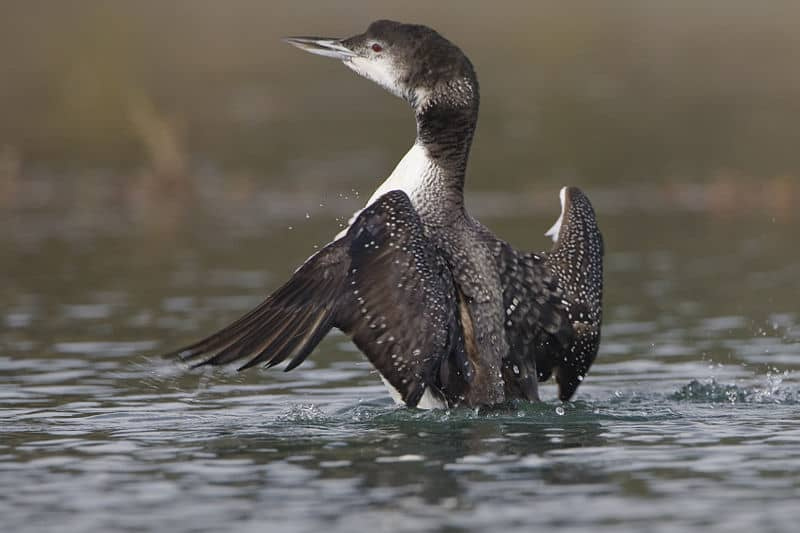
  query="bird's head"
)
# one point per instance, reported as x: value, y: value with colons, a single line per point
x: 411, y: 61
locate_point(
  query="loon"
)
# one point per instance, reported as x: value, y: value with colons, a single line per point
x: 448, y: 313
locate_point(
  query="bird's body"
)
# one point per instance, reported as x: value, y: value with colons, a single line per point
x: 448, y: 313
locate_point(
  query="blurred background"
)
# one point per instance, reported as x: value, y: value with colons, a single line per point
x: 153, y: 101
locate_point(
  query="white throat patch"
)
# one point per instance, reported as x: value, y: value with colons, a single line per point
x: 379, y: 70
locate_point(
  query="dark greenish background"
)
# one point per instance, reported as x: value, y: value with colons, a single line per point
x: 164, y: 165
x: 606, y: 92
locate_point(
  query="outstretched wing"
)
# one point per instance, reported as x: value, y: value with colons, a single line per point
x: 577, y: 261
x: 536, y: 317
x: 382, y: 283
x: 553, y: 302
x: 290, y: 322
x: 400, y: 304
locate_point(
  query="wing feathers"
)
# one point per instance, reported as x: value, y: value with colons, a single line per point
x: 401, y: 302
x: 290, y: 322
x: 577, y: 261
x: 388, y: 287
x: 384, y: 284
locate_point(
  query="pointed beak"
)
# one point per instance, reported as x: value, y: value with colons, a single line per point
x: 322, y: 46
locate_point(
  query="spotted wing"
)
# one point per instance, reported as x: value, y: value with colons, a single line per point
x: 576, y: 259
x: 384, y: 285
x: 536, y: 317
x: 400, y: 306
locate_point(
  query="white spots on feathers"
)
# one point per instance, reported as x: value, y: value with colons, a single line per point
x: 458, y: 92
x: 577, y: 255
x: 576, y: 260
x: 403, y: 326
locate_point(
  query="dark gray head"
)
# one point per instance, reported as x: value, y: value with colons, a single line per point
x: 411, y: 61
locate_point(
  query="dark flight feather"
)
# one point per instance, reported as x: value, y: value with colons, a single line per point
x: 383, y: 284
x: 576, y: 260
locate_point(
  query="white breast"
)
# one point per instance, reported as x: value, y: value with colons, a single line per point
x: 408, y: 176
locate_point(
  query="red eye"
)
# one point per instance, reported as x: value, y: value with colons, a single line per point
x: 376, y: 47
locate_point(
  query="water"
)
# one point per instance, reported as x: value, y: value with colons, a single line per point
x: 689, y: 419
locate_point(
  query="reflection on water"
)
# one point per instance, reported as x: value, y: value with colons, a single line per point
x: 689, y: 418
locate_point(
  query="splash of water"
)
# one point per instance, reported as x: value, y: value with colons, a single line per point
x: 772, y: 390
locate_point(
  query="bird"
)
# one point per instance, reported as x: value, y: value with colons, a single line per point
x: 448, y: 313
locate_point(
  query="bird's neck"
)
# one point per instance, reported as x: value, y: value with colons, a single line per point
x: 432, y: 172
x: 446, y: 120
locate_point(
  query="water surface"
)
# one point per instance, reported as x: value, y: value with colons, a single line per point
x: 689, y: 419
